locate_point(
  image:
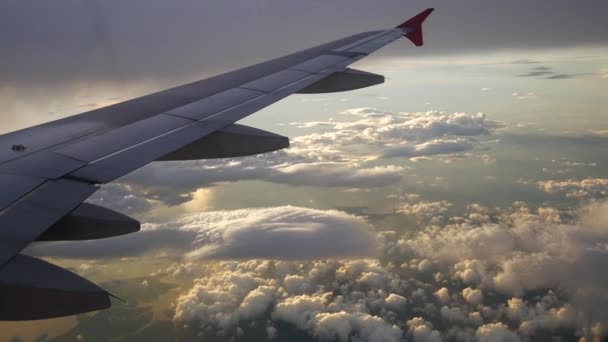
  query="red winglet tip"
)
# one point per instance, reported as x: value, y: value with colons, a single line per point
x: 415, y: 24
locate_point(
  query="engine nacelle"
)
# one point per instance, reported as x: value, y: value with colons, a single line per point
x: 90, y: 222
x: 349, y: 79
x: 232, y: 141
x: 33, y: 289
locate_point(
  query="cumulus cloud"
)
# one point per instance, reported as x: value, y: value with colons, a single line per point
x: 281, y: 232
x: 121, y: 197
x: 496, y: 332
x: 443, y: 295
x: 285, y: 232
x: 472, y: 296
x: 426, y: 211
x: 590, y: 188
x: 525, y: 96
x: 530, y: 250
x: 520, y: 274
x: 330, y: 308
x: 396, y: 302
x: 422, y: 331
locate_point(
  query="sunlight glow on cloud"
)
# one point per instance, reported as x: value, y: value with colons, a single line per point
x: 281, y: 232
x: 426, y: 286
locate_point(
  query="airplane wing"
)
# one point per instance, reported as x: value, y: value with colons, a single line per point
x: 47, y: 171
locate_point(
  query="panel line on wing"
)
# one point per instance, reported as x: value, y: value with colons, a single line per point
x: 361, y: 41
x: 48, y: 208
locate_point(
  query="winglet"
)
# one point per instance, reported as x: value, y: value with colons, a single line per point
x: 413, y: 27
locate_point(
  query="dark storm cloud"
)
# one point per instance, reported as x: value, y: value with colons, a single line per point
x: 536, y: 73
x: 564, y: 76
x: 542, y: 68
x: 548, y: 74
x: 66, y: 40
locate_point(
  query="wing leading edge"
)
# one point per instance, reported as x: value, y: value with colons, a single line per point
x: 50, y: 169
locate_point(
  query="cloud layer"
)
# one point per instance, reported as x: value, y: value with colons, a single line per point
x: 281, y: 232
x: 491, y: 275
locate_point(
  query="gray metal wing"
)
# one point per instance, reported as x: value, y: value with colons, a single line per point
x: 47, y: 171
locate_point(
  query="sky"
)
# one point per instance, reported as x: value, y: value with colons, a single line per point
x: 463, y: 200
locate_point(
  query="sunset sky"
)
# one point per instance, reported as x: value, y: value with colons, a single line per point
x: 464, y: 199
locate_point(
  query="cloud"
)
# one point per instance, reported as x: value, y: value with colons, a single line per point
x: 561, y: 76
x: 525, y: 61
x: 426, y: 211
x: 591, y: 188
x: 472, y: 296
x: 422, y: 331
x: 120, y: 197
x: 175, y: 183
x: 339, y: 156
x: 549, y: 74
x: 573, y: 163
x: 285, y: 232
x: 536, y: 73
x: 495, y: 332
x: 281, y: 232
x: 524, y: 251
x: 254, y: 290
x: 443, y: 295
x: 430, y: 148
x: 525, y: 96
x: 524, y: 283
